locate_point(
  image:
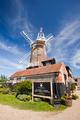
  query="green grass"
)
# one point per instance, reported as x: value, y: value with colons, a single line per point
x: 35, y: 106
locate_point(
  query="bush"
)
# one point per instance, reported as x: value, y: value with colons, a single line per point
x: 12, y: 87
x: 12, y: 93
x: 37, y: 99
x: 66, y: 100
x: 74, y: 97
x: 25, y: 87
x: 24, y: 97
x: 62, y: 100
x: 4, y: 90
x: 29, y: 97
x: 73, y: 87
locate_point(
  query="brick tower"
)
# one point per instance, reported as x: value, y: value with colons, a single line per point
x: 38, y: 50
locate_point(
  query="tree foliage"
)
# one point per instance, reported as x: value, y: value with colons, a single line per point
x: 3, y: 78
x: 73, y: 87
x: 24, y: 87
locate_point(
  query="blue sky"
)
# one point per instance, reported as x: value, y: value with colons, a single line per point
x: 59, y: 17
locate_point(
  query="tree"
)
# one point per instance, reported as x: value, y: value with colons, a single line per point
x: 3, y: 78
x: 24, y: 87
x: 73, y: 87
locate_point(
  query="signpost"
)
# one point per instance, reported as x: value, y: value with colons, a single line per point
x: 42, y: 89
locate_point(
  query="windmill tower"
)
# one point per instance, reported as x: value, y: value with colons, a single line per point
x: 38, y: 50
x: 38, y: 47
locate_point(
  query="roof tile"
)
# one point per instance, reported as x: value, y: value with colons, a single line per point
x: 37, y: 71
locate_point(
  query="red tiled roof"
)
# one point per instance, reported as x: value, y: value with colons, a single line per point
x: 40, y: 70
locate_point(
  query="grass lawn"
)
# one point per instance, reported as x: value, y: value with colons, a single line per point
x: 35, y: 106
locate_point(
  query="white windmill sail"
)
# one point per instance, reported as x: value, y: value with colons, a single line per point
x: 26, y: 36
x: 24, y: 58
x: 49, y: 37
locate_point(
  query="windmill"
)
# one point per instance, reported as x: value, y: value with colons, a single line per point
x: 38, y: 48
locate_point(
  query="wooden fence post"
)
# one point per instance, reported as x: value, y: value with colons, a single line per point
x: 51, y: 86
x: 32, y: 90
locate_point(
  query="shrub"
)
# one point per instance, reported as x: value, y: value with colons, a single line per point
x: 25, y: 87
x: 62, y: 100
x: 37, y: 99
x: 12, y: 93
x: 66, y: 100
x: 4, y: 90
x: 74, y: 97
x: 28, y: 97
x: 12, y: 87
x: 24, y: 97
x: 73, y: 87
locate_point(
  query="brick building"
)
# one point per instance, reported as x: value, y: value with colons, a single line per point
x: 44, y: 72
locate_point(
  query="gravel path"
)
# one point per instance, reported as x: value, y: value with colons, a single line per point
x: 9, y: 113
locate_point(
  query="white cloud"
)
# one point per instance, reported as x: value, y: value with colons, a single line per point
x: 21, y: 20
x: 8, y: 66
x: 68, y: 35
x: 8, y: 63
x: 16, y: 24
x: 65, y: 46
x: 12, y: 64
x: 69, y: 28
x: 76, y: 59
x: 10, y: 48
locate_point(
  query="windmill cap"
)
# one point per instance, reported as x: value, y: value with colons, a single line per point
x: 41, y: 35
